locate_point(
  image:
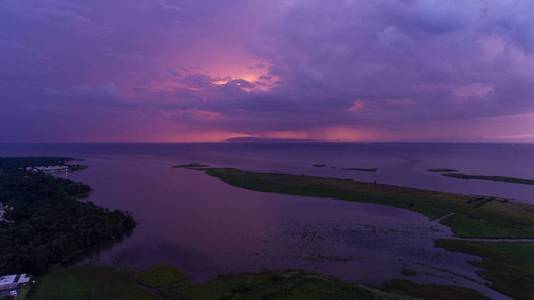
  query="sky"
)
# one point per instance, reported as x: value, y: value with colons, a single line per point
x: 209, y: 70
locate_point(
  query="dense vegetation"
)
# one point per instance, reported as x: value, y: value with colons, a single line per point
x: 45, y: 223
x: 10, y: 163
x: 17, y: 163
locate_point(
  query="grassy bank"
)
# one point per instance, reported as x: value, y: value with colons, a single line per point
x: 270, y: 285
x: 509, y: 266
x: 165, y: 282
x: 431, y: 291
x: 160, y: 276
x: 87, y: 283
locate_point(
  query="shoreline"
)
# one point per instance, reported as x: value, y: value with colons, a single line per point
x: 406, y: 285
x: 475, y: 221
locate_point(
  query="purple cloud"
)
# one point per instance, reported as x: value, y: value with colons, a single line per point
x: 373, y: 70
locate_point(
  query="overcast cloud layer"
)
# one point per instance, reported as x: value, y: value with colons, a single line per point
x: 207, y: 70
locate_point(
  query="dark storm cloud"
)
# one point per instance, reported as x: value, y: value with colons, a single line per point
x: 91, y: 70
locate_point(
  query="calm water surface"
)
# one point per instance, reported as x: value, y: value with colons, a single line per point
x: 206, y: 227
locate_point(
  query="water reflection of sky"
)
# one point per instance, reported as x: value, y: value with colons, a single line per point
x: 400, y: 164
x: 206, y: 227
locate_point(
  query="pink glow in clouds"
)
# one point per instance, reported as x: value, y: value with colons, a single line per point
x: 182, y: 70
x: 357, y: 105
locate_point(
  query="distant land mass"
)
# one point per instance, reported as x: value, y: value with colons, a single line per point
x: 253, y: 139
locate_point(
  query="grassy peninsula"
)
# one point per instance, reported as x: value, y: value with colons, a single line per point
x: 468, y: 216
x: 44, y: 221
x: 507, y: 264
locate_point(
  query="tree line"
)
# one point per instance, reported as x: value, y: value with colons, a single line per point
x: 46, y: 222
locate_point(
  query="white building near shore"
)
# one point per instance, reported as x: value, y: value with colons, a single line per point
x: 10, y: 284
x: 49, y: 168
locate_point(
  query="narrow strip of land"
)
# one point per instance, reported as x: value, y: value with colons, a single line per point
x: 468, y: 216
x: 505, y: 179
x: 361, y: 169
x: 492, y: 240
x: 442, y: 170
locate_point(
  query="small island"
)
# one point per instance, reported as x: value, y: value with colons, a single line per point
x: 192, y: 166
x: 442, y: 170
x: 347, y: 169
x: 456, y: 174
x: 361, y: 169
x: 505, y: 179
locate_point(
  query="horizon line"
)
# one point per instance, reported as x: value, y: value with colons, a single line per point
x: 269, y: 141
